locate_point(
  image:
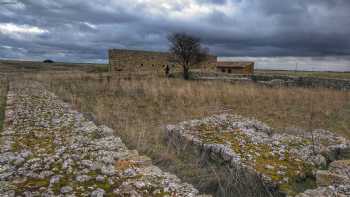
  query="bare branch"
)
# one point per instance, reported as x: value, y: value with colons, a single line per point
x: 186, y: 50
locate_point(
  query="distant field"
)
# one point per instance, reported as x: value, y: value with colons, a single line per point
x: 336, y: 75
x: 10, y: 66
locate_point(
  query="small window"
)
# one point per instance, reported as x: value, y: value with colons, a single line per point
x: 229, y: 71
x: 223, y: 70
x: 141, y: 65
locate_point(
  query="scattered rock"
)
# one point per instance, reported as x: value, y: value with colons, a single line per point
x: 319, y: 161
x: 269, y: 167
x: 98, y: 193
x: 330, y: 191
x: 139, y: 184
x: 66, y: 190
x: 108, y: 170
x: 338, y: 174
x: 55, y: 179
x: 19, y: 161
x: 106, y: 131
x: 326, y: 178
x: 100, y: 178
x: 83, y: 178
x: 340, y: 167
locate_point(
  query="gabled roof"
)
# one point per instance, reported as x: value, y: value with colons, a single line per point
x: 241, y: 64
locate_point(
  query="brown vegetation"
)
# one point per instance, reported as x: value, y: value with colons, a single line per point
x: 3, y: 92
x: 332, y: 75
x: 11, y: 66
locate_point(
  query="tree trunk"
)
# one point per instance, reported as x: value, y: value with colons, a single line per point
x: 186, y: 73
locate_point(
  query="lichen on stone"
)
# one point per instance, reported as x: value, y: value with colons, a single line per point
x: 284, y: 160
x: 49, y: 149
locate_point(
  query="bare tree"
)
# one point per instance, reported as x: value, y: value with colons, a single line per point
x: 187, y: 51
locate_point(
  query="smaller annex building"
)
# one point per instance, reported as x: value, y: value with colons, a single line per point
x: 246, y: 68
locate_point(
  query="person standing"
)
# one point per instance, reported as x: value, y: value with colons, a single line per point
x: 167, y: 71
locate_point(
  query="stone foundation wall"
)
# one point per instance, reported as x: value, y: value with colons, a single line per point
x: 49, y: 149
x: 339, y: 84
x: 273, y: 80
x: 240, y: 180
x: 257, y: 161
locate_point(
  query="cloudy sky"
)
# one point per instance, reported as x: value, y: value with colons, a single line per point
x: 83, y: 30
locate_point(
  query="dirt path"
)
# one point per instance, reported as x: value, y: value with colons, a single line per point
x: 48, y: 149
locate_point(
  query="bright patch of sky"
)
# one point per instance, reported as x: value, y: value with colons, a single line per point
x: 330, y: 63
x: 15, y: 30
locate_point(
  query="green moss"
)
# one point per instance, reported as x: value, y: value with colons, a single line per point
x: 105, y: 186
x: 92, y: 173
x: 31, y: 185
x: 27, y: 141
x: 64, y: 181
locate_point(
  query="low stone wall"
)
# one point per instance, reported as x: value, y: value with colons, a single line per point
x: 258, y: 162
x: 197, y: 74
x: 217, y: 76
x: 275, y: 80
x: 49, y: 149
x: 339, y: 84
x: 332, y: 182
x: 240, y: 180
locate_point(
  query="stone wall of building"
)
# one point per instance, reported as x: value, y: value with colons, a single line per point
x: 133, y: 60
x: 236, y: 67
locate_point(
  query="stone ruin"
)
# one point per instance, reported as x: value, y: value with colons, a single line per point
x: 49, y: 149
x: 260, y: 162
x: 136, y: 60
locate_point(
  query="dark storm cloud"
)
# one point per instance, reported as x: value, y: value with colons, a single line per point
x: 83, y: 30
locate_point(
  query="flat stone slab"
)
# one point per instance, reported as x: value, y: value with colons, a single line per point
x: 49, y: 149
x: 329, y: 191
x: 282, y: 162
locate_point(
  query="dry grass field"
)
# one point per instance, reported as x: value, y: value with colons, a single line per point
x: 3, y: 92
x: 13, y: 66
x: 332, y: 75
x: 139, y: 107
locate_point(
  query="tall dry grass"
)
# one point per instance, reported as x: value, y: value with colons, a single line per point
x: 3, y: 93
x: 138, y: 108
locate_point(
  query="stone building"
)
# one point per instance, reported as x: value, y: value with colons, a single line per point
x: 133, y: 60
x: 236, y: 67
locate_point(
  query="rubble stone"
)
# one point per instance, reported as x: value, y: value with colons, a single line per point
x: 49, y: 149
x: 279, y: 161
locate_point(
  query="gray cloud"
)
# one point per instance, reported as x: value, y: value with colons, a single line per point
x: 83, y: 30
